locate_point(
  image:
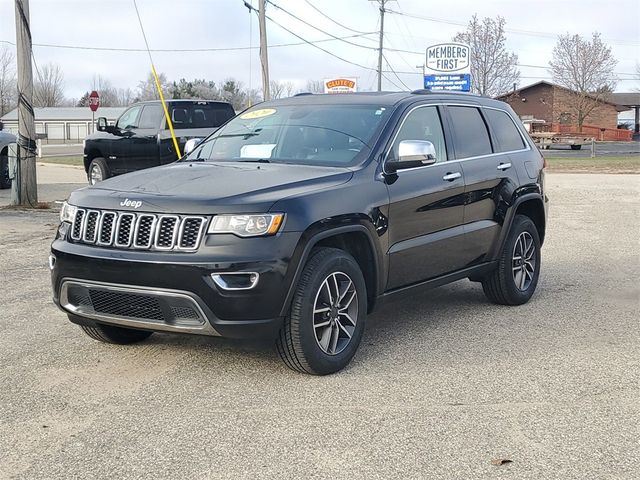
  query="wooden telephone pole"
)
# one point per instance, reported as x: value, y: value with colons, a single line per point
x: 24, y: 187
x: 264, y: 57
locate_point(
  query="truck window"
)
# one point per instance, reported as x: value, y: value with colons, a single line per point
x: 504, y: 131
x: 471, y: 138
x: 151, y: 116
x: 200, y: 115
x: 129, y: 119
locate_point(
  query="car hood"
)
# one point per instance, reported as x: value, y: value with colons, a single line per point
x: 208, y: 187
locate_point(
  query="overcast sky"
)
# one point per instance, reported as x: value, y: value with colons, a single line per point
x: 192, y: 24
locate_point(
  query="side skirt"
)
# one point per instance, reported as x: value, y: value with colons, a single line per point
x: 398, y: 293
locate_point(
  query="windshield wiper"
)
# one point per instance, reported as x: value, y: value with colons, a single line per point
x: 256, y: 160
x: 246, y: 135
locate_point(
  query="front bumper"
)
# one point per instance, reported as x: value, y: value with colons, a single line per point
x: 172, y: 280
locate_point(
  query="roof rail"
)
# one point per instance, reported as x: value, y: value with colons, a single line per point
x: 301, y: 94
x: 421, y: 91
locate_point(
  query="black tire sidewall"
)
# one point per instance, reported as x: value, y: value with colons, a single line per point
x: 521, y: 224
x: 102, y: 164
x: 319, y: 361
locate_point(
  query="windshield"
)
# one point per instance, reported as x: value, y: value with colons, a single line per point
x: 332, y: 135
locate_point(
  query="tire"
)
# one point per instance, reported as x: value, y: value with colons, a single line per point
x: 576, y: 147
x: 5, y: 182
x: 306, y: 343
x: 115, y: 335
x: 505, y: 285
x: 97, y: 171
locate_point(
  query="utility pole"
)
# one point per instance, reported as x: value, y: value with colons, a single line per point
x: 382, y: 2
x: 24, y: 187
x: 264, y: 58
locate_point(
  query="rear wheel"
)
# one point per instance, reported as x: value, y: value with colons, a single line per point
x: 98, y: 171
x: 576, y: 147
x: 516, y: 277
x: 326, y: 321
x: 115, y: 335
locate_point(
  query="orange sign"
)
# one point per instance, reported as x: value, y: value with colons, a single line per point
x: 340, y: 85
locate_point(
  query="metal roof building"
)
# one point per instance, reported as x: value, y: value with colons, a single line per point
x: 63, y: 124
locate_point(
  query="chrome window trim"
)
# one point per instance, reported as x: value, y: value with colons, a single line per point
x: 122, y: 215
x: 203, y: 226
x: 455, y: 160
x: 154, y: 221
x: 84, y: 227
x: 113, y: 228
x: 176, y: 231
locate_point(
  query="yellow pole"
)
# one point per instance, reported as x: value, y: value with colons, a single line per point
x: 166, y: 111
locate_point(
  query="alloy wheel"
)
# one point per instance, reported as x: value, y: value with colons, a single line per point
x: 96, y: 174
x: 335, y: 313
x: 523, y: 262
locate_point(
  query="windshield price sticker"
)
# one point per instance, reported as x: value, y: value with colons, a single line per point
x: 263, y: 112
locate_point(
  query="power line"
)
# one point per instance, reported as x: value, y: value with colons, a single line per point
x: 331, y: 19
x: 393, y: 71
x: 510, y: 30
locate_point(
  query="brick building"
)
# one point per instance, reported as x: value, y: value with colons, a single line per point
x: 555, y: 105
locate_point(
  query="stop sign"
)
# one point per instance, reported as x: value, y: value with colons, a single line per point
x: 94, y: 101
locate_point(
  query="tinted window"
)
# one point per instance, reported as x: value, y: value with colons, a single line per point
x: 471, y: 137
x: 505, y: 131
x: 151, y: 116
x: 200, y: 115
x: 422, y: 124
x: 129, y: 119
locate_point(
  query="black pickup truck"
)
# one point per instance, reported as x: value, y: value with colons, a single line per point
x: 141, y: 137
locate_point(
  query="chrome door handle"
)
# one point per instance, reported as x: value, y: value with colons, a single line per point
x: 450, y: 177
x: 504, y: 166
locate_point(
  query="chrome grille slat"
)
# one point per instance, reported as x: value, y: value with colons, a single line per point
x: 140, y: 231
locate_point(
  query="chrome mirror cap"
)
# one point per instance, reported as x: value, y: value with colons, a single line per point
x: 417, y: 151
x: 191, y: 145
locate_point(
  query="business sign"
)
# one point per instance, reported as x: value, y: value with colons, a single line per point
x: 448, y: 67
x: 340, y: 85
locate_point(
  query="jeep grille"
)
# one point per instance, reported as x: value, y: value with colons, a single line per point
x: 141, y: 231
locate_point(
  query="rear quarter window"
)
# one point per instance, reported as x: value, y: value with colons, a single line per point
x: 200, y: 115
x: 471, y: 137
x: 504, y: 131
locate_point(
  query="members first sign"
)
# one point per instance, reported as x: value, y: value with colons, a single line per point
x: 448, y: 67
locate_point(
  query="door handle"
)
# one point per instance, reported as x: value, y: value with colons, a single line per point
x: 450, y: 177
x: 504, y: 166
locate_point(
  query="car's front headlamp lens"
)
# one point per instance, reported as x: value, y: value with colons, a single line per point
x: 247, y: 225
x: 67, y: 212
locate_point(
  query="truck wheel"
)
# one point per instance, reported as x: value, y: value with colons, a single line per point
x: 576, y: 147
x: 115, y: 335
x: 98, y: 171
x: 326, y: 321
x: 516, y: 277
x: 5, y: 182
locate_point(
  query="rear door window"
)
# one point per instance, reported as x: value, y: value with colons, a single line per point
x: 200, y: 115
x: 471, y: 137
x: 505, y: 132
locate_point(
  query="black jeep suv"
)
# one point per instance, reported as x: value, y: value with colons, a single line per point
x: 300, y: 215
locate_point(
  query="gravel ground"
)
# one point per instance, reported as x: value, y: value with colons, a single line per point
x: 443, y: 385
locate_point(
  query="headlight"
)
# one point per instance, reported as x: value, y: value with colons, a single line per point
x: 247, y: 225
x: 67, y: 212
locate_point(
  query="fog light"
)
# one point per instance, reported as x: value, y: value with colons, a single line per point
x: 52, y: 262
x: 236, y: 280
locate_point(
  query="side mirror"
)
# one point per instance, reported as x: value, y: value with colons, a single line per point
x: 411, y: 154
x: 101, y: 124
x: 191, y: 145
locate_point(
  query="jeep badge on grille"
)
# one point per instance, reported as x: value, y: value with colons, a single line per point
x: 131, y: 203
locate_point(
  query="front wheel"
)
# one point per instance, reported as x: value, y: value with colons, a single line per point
x: 98, y: 171
x: 516, y: 277
x: 326, y: 321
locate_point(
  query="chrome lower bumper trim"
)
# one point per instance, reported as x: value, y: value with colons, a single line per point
x: 202, y: 328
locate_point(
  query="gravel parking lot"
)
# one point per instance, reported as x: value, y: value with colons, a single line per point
x: 443, y: 385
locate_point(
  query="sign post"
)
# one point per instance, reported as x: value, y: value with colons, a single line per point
x: 94, y: 103
x: 448, y: 67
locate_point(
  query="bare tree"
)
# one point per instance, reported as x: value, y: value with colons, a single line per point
x: 147, y: 88
x: 314, y: 86
x: 48, y: 88
x: 108, y: 94
x: 8, y: 87
x: 281, y: 89
x: 494, y: 69
x: 586, y: 68
x: 125, y: 97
